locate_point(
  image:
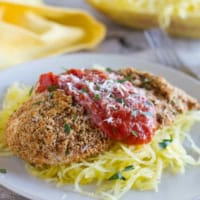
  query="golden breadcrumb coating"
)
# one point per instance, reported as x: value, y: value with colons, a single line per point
x: 168, y: 100
x: 51, y: 129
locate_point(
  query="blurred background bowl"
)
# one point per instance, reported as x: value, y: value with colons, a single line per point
x: 180, y: 18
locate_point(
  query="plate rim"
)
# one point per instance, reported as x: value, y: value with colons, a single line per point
x: 110, y: 56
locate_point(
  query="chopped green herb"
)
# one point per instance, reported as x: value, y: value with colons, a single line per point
x: 96, y: 97
x: 109, y: 69
x: 120, y: 100
x: 67, y: 128
x: 128, y: 78
x: 97, y: 87
x: 134, y: 133
x: 165, y: 143
x: 3, y: 171
x: 121, y: 80
x: 37, y: 103
x: 128, y: 168
x: 31, y: 91
x: 134, y: 113
x: 84, y: 90
x: 117, y: 176
x: 52, y: 88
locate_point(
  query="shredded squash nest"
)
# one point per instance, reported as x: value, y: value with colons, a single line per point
x: 123, y: 167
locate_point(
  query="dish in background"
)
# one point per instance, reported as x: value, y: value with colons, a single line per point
x: 178, y: 17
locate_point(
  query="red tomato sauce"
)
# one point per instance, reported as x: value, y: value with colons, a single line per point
x: 119, y: 109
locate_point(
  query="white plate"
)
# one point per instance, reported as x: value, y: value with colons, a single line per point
x: 174, y: 187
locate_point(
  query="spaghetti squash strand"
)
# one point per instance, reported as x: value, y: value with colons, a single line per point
x: 15, y: 96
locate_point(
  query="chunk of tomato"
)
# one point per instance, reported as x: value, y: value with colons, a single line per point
x: 46, y: 80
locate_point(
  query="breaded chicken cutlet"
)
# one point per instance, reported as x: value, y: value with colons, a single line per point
x: 51, y: 128
x: 168, y: 100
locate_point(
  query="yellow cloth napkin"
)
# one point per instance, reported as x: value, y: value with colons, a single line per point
x: 28, y: 32
x: 32, y: 2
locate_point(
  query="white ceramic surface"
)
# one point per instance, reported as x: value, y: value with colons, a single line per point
x: 174, y: 187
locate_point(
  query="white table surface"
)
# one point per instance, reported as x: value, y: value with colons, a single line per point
x: 118, y: 40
